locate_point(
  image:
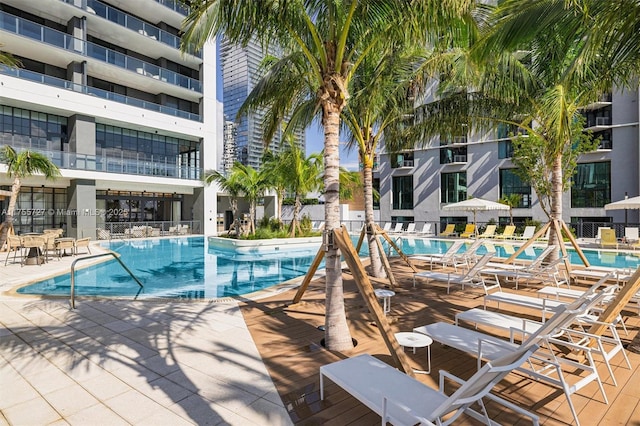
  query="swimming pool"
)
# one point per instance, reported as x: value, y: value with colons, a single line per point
x: 188, y: 267
x: 184, y: 267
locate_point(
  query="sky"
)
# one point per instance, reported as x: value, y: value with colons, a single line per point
x: 315, y: 143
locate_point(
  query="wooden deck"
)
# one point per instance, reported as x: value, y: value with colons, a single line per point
x: 289, y: 341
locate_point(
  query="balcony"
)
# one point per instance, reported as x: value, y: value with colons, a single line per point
x: 604, y: 101
x: 128, y: 21
x: 64, y: 84
x: 598, y: 123
x: 175, y: 5
x: 453, y: 155
x: 119, y: 165
x: 31, y: 30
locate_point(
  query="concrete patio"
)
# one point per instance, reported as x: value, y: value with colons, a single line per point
x: 127, y: 362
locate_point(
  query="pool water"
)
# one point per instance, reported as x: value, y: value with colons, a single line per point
x: 187, y: 268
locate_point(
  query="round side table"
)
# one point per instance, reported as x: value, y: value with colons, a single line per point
x: 409, y: 339
x: 386, y: 296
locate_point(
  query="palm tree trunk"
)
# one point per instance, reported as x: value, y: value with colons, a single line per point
x: 556, y: 203
x: 374, y: 254
x: 11, y: 209
x: 236, y: 220
x: 337, y: 335
x: 252, y: 217
x: 296, y: 211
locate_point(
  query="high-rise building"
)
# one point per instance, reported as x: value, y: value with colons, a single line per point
x: 105, y: 92
x: 240, y: 73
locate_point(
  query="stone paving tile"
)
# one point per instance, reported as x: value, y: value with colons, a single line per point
x: 118, y: 362
x: 34, y: 412
x: 70, y: 400
x: 97, y: 415
x: 132, y: 405
x: 104, y: 386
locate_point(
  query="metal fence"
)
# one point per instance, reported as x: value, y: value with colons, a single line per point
x: 114, y: 230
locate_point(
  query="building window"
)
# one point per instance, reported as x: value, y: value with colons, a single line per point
x: 505, y: 149
x: 591, y: 185
x: 37, y: 208
x: 404, y: 159
x: 23, y: 128
x: 510, y: 183
x: 402, y: 192
x: 453, y: 187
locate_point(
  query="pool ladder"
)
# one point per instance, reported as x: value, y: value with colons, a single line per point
x: 73, y: 273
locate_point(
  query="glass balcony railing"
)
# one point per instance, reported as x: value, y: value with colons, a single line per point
x: 131, y: 22
x: 64, y: 84
x: 122, y: 165
x: 175, y: 5
x: 59, y: 39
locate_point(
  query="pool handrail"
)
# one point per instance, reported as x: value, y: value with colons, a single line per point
x: 73, y: 273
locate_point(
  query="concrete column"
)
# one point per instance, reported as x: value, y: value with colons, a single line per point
x: 82, y: 135
x: 81, y: 197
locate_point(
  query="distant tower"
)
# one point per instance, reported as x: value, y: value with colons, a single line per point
x: 240, y: 73
x: 229, y: 154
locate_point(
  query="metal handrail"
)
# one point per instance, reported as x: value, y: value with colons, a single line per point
x: 73, y: 273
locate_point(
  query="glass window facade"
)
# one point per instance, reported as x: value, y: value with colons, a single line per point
x: 165, y: 152
x: 453, y: 187
x: 37, y: 208
x: 22, y: 128
x: 402, y: 192
x: 510, y: 183
x: 591, y: 185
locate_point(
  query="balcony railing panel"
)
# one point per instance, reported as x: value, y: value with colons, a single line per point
x: 59, y: 39
x: 58, y: 82
x: 100, y: 163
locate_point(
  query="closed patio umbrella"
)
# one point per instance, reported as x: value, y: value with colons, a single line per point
x: 475, y: 205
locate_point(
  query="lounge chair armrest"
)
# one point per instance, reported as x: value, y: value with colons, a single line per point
x: 570, y: 345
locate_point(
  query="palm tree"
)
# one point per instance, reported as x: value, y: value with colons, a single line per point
x: 324, y: 43
x: 511, y: 200
x: 380, y: 101
x: 242, y: 181
x: 304, y: 175
x: 253, y: 185
x: 229, y: 185
x: 19, y: 166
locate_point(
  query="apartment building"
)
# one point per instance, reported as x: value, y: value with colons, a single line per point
x: 105, y: 92
x: 416, y: 184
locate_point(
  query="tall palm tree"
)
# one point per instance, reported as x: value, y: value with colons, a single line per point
x: 19, y: 166
x: 324, y: 43
x: 379, y: 101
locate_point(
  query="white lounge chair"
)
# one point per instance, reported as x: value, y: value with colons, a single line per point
x: 631, y: 235
x: 440, y: 258
x: 473, y: 277
x: 606, y: 346
x: 548, y: 273
x: 411, y: 228
x: 397, y: 229
x: 542, y: 364
x: 529, y: 231
x: 402, y: 400
x: 427, y: 230
x: 387, y: 227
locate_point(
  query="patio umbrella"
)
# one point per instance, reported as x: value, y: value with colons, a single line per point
x: 475, y: 205
x: 627, y: 203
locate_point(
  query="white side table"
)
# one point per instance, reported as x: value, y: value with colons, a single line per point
x: 386, y: 296
x: 413, y: 340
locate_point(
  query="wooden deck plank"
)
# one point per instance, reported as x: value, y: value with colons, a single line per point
x: 288, y: 339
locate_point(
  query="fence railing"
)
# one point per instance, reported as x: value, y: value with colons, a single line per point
x: 125, y: 230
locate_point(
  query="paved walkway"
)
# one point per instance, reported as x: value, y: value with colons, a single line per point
x: 127, y: 362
